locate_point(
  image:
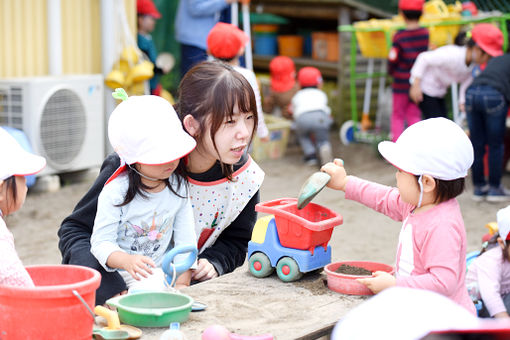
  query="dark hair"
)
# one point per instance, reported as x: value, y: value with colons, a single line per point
x: 470, y: 43
x: 461, y: 39
x: 309, y: 87
x: 493, y: 242
x: 411, y: 14
x: 10, y: 185
x: 137, y: 187
x: 212, y: 89
x: 226, y: 60
x: 447, y: 190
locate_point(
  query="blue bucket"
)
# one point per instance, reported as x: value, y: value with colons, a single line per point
x: 266, y: 44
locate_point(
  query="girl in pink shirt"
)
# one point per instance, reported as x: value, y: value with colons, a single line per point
x: 432, y: 158
x: 15, y: 163
x: 488, y: 277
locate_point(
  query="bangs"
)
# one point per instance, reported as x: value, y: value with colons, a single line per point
x: 231, y: 89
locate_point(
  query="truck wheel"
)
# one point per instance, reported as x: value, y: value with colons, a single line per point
x: 260, y: 265
x: 287, y: 269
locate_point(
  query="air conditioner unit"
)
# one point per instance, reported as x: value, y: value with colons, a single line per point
x: 62, y: 116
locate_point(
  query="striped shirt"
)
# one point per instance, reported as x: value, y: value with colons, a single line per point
x: 407, y: 44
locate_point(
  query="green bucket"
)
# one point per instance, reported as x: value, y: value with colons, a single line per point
x: 152, y: 309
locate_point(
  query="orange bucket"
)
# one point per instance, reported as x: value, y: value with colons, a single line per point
x: 50, y: 310
x: 325, y: 46
x: 290, y: 45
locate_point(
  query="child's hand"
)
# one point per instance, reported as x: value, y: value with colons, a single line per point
x: 338, y: 174
x: 379, y: 281
x: 138, y: 265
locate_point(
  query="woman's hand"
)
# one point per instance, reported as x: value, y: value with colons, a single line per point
x: 205, y: 271
x: 379, y: 281
x: 338, y: 174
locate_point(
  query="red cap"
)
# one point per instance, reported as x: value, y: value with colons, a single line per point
x: 226, y: 40
x: 309, y: 76
x: 147, y: 7
x: 489, y: 38
x: 282, y: 71
x: 411, y: 5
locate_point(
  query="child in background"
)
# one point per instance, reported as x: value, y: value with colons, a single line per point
x: 144, y: 207
x: 16, y: 163
x: 434, y: 72
x: 431, y: 172
x: 147, y: 14
x: 227, y: 43
x: 407, y: 45
x: 489, y: 273
x: 487, y: 101
x: 312, y: 117
x: 283, y: 86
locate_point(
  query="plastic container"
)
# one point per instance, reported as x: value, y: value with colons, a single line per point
x: 373, y: 44
x: 347, y: 284
x: 290, y: 45
x: 173, y: 333
x: 301, y: 228
x: 152, y: 309
x: 325, y: 46
x: 265, y: 28
x: 279, y: 130
x: 50, y: 310
x: 265, y: 44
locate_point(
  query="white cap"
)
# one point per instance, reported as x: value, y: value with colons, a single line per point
x: 146, y: 130
x: 437, y: 147
x: 402, y: 313
x: 503, y: 216
x: 14, y: 160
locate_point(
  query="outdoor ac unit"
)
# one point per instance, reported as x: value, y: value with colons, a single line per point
x: 63, y: 118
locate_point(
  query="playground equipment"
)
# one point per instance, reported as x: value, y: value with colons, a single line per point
x: 375, y: 40
x: 292, y: 240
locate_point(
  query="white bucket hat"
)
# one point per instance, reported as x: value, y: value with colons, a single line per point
x: 437, y: 147
x: 14, y: 160
x: 503, y: 217
x: 146, y: 130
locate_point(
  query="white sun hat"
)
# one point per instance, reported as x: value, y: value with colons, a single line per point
x: 147, y: 130
x: 437, y: 147
x: 14, y: 160
x: 503, y: 217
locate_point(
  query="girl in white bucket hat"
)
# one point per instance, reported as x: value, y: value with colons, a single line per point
x: 15, y: 164
x: 432, y: 158
x: 144, y: 206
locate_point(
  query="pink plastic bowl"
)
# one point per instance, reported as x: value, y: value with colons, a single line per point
x: 347, y: 284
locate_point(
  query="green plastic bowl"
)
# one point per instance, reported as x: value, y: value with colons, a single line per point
x: 152, y: 309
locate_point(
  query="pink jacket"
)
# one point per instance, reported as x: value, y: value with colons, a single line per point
x: 431, y: 252
x: 12, y: 272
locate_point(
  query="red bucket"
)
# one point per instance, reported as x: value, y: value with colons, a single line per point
x: 347, y: 284
x: 50, y: 310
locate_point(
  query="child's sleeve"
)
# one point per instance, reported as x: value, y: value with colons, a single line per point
x: 488, y: 267
x: 393, y: 55
x: 184, y: 228
x: 381, y: 198
x: 104, y: 235
x: 205, y: 7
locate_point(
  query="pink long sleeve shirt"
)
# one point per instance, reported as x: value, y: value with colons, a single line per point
x: 491, y: 273
x: 12, y: 271
x: 431, y: 251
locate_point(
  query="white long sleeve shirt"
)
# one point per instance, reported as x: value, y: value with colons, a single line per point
x: 308, y: 100
x: 439, y: 68
x: 145, y: 226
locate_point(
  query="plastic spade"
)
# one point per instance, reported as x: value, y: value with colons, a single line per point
x: 313, y: 185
